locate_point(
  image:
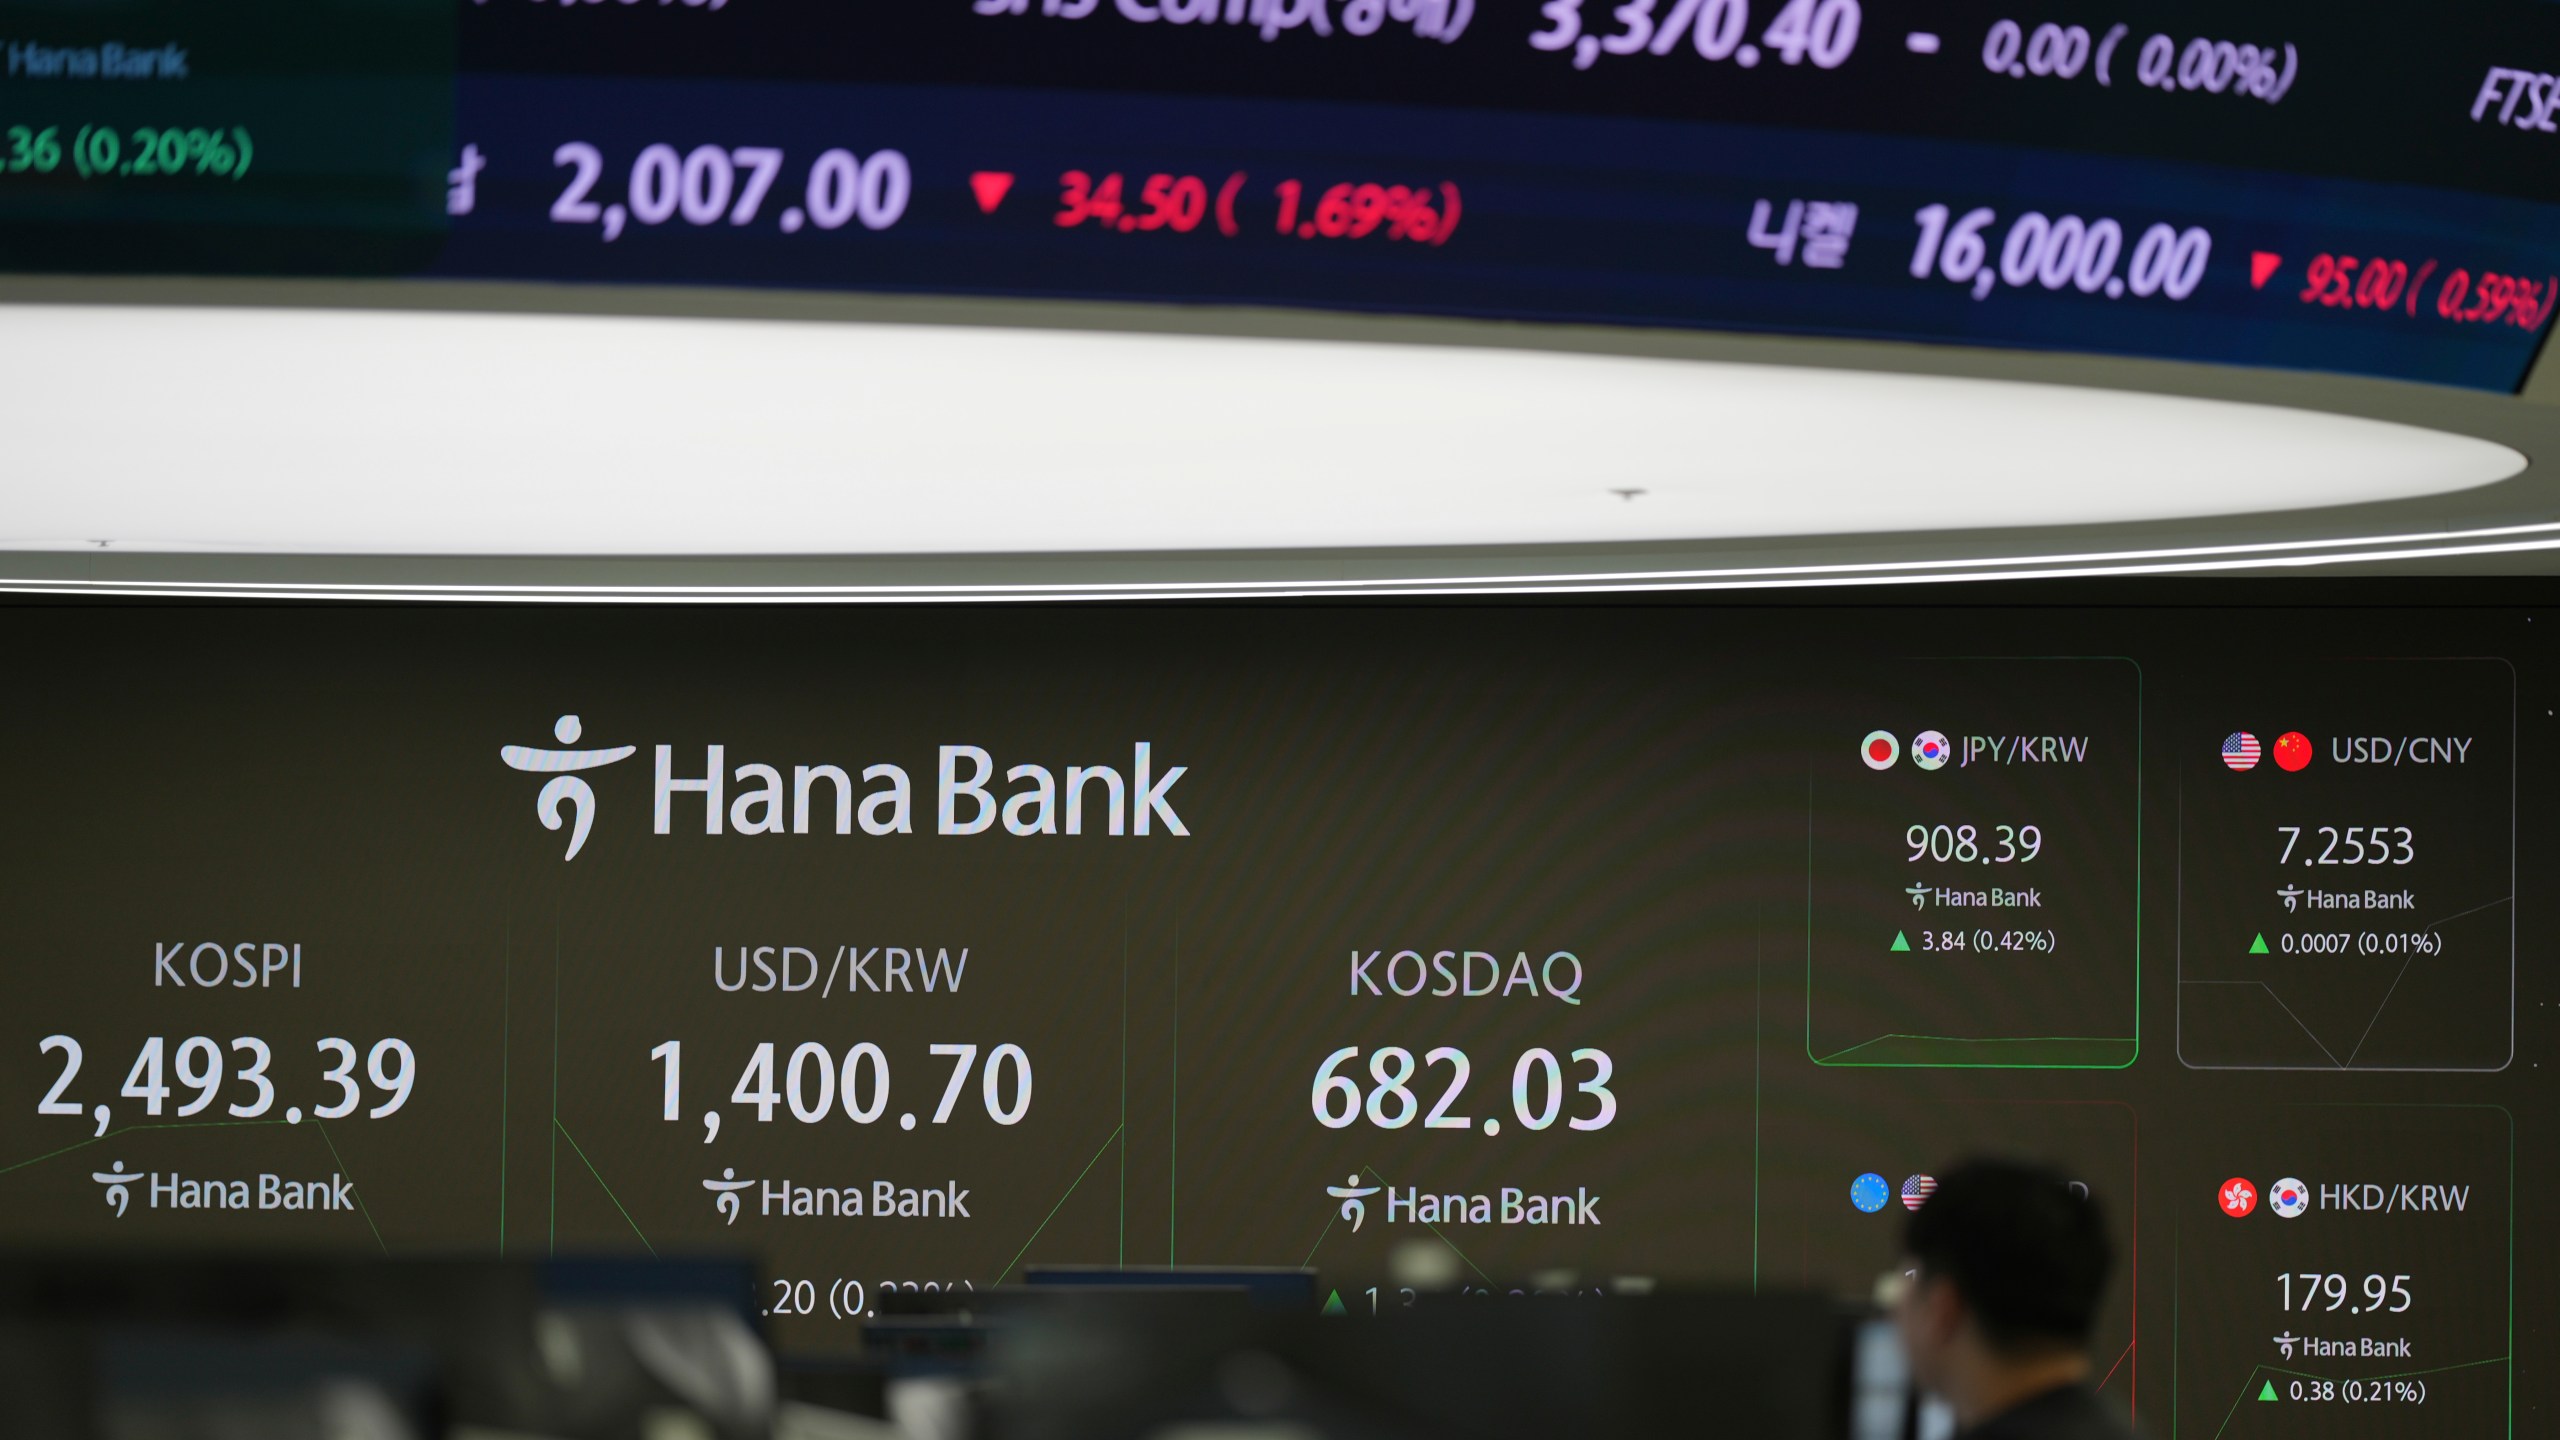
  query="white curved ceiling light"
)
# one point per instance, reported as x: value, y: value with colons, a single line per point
x: 394, y: 432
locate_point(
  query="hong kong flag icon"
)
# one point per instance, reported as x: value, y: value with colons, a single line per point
x: 2237, y: 1197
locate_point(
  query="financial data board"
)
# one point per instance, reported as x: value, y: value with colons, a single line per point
x: 907, y: 949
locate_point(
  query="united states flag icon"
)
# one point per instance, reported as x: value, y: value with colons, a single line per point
x: 2240, y: 752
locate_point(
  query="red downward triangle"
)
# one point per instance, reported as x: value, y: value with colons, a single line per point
x: 990, y: 187
x: 2261, y: 266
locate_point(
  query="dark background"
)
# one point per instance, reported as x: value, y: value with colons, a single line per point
x: 1625, y: 781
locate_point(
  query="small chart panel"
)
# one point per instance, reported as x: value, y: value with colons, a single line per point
x: 2347, y: 868
x: 1840, y: 1177
x: 1972, y: 848
x: 2344, y: 1272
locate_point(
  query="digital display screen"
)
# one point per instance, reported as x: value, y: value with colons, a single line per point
x: 916, y: 947
x: 2270, y: 183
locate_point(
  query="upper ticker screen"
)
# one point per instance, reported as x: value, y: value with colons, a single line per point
x: 2271, y: 183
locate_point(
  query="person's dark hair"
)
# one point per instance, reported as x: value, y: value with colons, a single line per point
x: 2026, y: 1249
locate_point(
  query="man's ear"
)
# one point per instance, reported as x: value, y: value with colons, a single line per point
x: 1943, y: 1311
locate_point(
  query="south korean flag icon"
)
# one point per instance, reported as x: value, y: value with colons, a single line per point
x: 1929, y: 750
x: 2288, y: 1197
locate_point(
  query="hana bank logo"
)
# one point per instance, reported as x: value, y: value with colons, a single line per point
x: 564, y: 785
x: 1353, y: 1196
x: 725, y: 1193
x: 119, y: 1182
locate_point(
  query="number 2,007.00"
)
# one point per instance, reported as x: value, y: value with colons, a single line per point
x: 727, y: 185
x: 1392, y: 1105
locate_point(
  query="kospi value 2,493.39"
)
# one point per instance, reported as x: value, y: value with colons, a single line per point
x: 728, y: 185
x: 205, y: 1065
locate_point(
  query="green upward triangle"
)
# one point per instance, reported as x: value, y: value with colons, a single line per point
x: 1333, y: 1304
x: 2258, y: 947
x: 2267, y: 1391
x: 1900, y: 941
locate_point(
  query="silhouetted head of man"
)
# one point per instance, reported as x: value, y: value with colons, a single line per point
x: 2006, y: 1263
